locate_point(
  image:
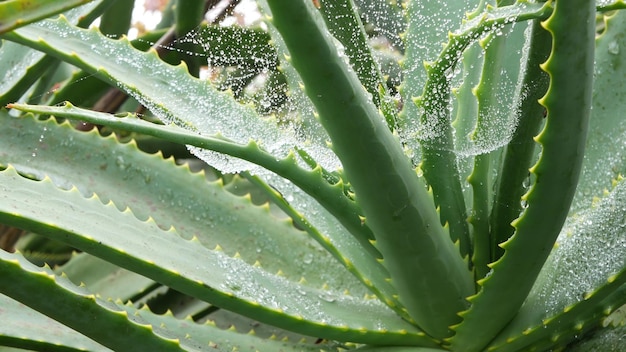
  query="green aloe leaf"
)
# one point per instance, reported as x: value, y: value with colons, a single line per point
x: 140, y: 190
x: 343, y: 247
x: 208, y: 337
x: 589, y: 258
x: 103, y: 278
x: 394, y: 200
x: 514, y: 177
x: 605, y: 159
x: 31, y: 330
x: 568, y: 103
x: 159, y: 87
x: 228, y: 282
x: 18, y: 13
x: 146, y: 184
x: 21, y: 66
x: 104, y: 322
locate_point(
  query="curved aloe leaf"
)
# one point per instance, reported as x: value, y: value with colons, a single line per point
x: 229, y: 219
x: 158, y: 86
x: 141, y: 246
x: 357, y: 258
x: 32, y: 330
x: 583, y: 269
x: 396, y: 204
x: 146, y: 184
x: 605, y: 159
x: 568, y: 103
x: 105, y: 279
x: 167, y: 328
x: 104, y: 322
x: 21, y: 66
x: 514, y: 176
x: 18, y: 13
x: 208, y: 337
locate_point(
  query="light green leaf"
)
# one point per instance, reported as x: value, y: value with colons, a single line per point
x: 100, y: 320
x: 104, y: 278
x: 20, y: 66
x: 173, y: 196
x: 605, y: 155
x: 568, y: 102
x: 18, y: 13
x: 169, y: 92
x: 590, y: 251
x: 163, y: 256
x: 32, y: 330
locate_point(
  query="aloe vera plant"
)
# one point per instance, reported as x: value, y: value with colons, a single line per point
x: 373, y: 175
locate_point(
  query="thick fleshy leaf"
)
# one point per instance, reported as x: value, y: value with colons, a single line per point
x: 169, y: 92
x: 568, y: 103
x: 104, y: 278
x: 100, y: 320
x: 18, y: 13
x: 590, y: 251
x: 141, y: 246
x: 605, y: 155
x: 32, y: 330
x: 394, y: 200
x: 219, y: 218
x: 21, y: 66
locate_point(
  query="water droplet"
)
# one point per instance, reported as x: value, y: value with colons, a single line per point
x: 327, y: 297
x: 119, y: 161
x: 308, y: 258
x: 526, y: 182
x: 613, y: 47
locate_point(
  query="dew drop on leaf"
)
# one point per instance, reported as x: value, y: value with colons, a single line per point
x: 613, y: 47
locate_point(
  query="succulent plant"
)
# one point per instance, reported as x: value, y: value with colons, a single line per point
x: 352, y: 174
